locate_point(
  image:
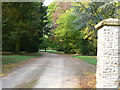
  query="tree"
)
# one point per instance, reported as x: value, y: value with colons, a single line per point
x: 23, y: 24
x: 88, y: 15
x: 74, y: 29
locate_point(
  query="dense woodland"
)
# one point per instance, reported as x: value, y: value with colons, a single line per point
x: 23, y: 26
x: 63, y: 26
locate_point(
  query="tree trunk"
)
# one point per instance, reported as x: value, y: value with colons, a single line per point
x: 45, y: 49
x: 17, y: 49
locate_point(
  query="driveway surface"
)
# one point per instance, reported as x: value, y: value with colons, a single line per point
x: 48, y: 71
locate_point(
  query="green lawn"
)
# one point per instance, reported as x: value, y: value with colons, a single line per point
x: 52, y: 51
x: 11, y: 61
x: 88, y: 59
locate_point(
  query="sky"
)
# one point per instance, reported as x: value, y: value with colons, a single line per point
x: 47, y: 2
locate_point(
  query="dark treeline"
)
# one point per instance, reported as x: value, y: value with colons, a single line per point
x: 23, y: 24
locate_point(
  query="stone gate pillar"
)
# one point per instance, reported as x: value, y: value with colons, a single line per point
x: 108, y: 54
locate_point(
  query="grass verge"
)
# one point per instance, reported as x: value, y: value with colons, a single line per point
x: 89, y: 59
x: 11, y: 61
x: 54, y: 51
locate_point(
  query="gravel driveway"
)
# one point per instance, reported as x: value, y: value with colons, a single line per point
x: 48, y: 71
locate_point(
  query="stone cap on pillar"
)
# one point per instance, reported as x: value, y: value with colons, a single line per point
x: 108, y: 22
